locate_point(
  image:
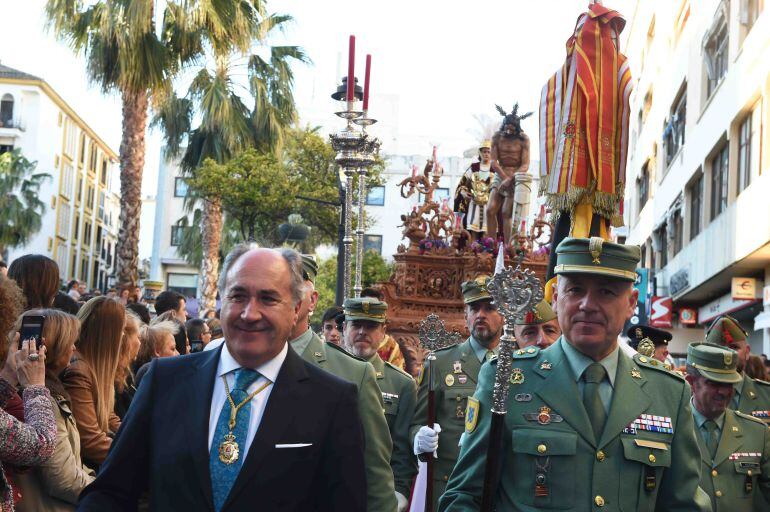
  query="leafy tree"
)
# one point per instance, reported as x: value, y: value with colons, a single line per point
x: 374, y: 270
x: 125, y: 54
x: 21, y: 211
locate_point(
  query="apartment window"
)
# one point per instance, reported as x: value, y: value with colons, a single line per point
x: 100, y: 211
x: 68, y: 177
x: 186, y: 284
x: 373, y: 243
x: 70, y: 132
x: 647, y: 106
x: 748, y: 146
x: 5, y: 148
x: 98, y: 240
x: 643, y: 185
x: 92, y: 159
x: 87, y: 234
x: 180, y: 187
x: 673, y: 133
x: 82, y: 153
x: 76, y: 227
x: 90, y: 196
x: 695, y: 191
x: 73, y: 263
x: 103, y: 177
x: 376, y: 196
x: 678, y: 227
x: 84, y: 269
x: 663, y: 239
x: 439, y: 195
x: 61, y: 256
x: 715, y: 48
x: 64, y: 220
x: 177, y: 232
x: 6, y: 111
x: 79, y: 191
x: 750, y: 11
x: 719, y: 170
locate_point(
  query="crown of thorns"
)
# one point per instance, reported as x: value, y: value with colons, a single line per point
x: 514, y: 113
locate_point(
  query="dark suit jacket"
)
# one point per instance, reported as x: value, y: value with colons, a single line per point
x: 163, y: 444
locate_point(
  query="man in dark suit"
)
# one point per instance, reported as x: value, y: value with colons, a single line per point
x: 249, y: 426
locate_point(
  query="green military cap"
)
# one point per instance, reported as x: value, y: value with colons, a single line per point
x: 476, y: 289
x: 365, y: 308
x: 715, y: 363
x: 543, y: 313
x: 638, y: 333
x: 309, y: 267
x: 597, y: 256
x: 725, y: 330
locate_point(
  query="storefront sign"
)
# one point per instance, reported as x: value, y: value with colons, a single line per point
x: 722, y: 306
x: 744, y: 288
x: 688, y: 316
x: 660, y: 312
x: 679, y: 281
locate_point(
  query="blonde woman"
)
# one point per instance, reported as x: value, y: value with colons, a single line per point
x: 55, y: 485
x: 124, y: 377
x: 90, y: 377
x: 157, y: 341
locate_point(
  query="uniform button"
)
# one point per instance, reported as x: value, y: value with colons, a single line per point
x: 718, y: 494
x: 599, y: 501
x: 748, y: 473
x: 459, y: 398
x: 541, y: 448
x: 446, y: 478
x: 651, y: 458
x: 714, y: 472
x: 600, y: 456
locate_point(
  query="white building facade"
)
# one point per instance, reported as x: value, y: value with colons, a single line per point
x: 80, y: 223
x: 697, y: 182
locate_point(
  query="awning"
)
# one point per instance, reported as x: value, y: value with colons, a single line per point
x: 762, y: 321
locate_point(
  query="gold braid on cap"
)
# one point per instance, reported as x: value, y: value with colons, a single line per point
x: 595, y: 248
x: 646, y: 347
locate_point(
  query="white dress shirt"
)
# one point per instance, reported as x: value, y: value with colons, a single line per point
x: 227, y: 366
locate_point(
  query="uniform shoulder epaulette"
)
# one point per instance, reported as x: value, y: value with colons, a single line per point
x: 448, y: 347
x: 762, y: 382
x: 750, y: 417
x: 650, y: 362
x: 399, y: 370
x: 340, y: 349
x: 525, y: 353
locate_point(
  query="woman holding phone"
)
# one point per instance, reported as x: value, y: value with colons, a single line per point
x: 54, y: 485
x: 31, y: 442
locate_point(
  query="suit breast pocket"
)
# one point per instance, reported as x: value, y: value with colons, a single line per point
x: 544, y: 467
x: 747, y: 470
x: 391, y: 408
x: 645, y: 462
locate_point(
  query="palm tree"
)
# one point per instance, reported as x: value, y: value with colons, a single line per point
x: 227, y: 126
x: 21, y: 211
x: 124, y: 54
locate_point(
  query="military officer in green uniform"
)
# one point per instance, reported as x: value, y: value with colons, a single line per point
x: 363, y: 332
x: 735, y: 447
x: 752, y: 396
x: 538, y: 328
x: 457, y: 369
x: 335, y: 360
x: 587, y: 427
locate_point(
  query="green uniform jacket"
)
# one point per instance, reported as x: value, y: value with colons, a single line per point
x: 399, y: 393
x: 755, y: 398
x: 635, y: 470
x: 450, y: 403
x: 740, y: 471
x: 380, y: 493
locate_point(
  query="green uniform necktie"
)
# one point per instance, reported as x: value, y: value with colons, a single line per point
x: 592, y: 401
x: 711, y: 437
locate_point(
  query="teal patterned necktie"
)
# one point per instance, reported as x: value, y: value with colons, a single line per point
x: 223, y: 475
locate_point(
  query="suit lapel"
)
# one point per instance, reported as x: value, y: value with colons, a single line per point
x: 276, y: 420
x: 471, y: 365
x: 629, y: 399
x: 199, y: 397
x: 730, y: 440
x: 559, y: 390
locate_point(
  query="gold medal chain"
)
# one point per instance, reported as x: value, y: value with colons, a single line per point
x: 235, y: 408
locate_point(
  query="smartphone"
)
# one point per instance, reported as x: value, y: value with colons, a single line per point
x: 32, y: 327
x: 196, y: 346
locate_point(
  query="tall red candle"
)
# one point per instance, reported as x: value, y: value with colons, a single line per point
x: 351, y: 68
x: 367, y: 73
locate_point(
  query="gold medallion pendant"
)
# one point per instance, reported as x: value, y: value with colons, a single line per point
x: 228, y: 450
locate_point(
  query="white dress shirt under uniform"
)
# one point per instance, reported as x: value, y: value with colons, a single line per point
x: 227, y: 366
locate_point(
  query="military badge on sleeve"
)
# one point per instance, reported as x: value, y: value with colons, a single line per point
x: 471, y: 415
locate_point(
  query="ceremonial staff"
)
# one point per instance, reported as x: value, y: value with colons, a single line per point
x: 515, y: 292
x: 433, y: 336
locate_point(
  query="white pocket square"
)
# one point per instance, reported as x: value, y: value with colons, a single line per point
x: 295, y: 445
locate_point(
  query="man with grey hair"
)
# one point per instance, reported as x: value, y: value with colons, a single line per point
x: 380, y: 487
x: 253, y: 425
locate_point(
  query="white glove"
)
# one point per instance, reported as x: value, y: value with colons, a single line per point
x: 426, y: 440
x: 402, y: 502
